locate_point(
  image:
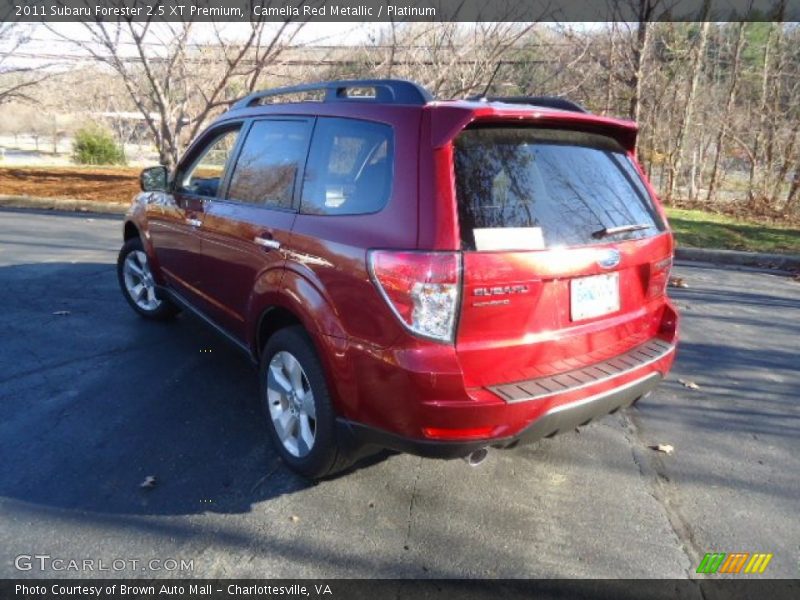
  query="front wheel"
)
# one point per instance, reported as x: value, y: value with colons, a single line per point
x: 137, y: 283
x: 300, y: 417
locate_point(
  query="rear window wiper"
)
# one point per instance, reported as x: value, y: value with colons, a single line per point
x: 606, y: 231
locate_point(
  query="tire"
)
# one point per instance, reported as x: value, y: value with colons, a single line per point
x: 291, y: 414
x: 133, y: 272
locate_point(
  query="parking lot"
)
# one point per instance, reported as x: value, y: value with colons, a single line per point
x: 95, y: 400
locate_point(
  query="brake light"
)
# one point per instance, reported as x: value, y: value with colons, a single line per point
x: 659, y: 278
x: 421, y: 288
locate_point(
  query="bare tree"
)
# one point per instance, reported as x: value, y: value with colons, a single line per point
x: 685, y: 122
x: 645, y: 11
x: 177, y: 83
x: 762, y: 113
x: 450, y: 59
x: 17, y: 81
x: 729, y: 104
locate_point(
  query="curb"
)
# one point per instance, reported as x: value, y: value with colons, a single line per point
x: 784, y: 262
x: 64, y: 204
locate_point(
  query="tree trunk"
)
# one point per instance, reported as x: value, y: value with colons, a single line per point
x: 774, y: 101
x: 610, y: 71
x: 734, y: 84
x: 639, y: 55
x: 792, y: 196
x: 762, y: 119
x: 788, y: 159
x: 688, y: 107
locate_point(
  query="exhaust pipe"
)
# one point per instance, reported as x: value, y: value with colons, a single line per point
x: 477, y: 457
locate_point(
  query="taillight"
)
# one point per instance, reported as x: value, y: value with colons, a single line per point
x: 659, y: 278
x: 668, y: 328
x: 421, y: 288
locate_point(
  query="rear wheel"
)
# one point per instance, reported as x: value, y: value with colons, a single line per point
x: 137, y: 283
x: 300, y: 417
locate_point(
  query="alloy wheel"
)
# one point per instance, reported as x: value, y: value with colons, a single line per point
x: 139, y: 282
x: 291, y: 404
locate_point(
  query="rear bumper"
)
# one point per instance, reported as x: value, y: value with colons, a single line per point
x: 560, y: 418
x: 415, y: 398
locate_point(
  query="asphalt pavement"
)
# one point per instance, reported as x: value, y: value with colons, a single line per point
x: 95, y: 399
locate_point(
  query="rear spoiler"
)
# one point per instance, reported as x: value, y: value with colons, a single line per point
x: 448, y: 119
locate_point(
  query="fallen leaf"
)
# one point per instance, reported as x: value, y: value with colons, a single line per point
x: 665, y: 448
x: 294, y: 518
x: 62, y: 313
x: 678, y: 282
x: 148, y: 483
x: 689, y: 384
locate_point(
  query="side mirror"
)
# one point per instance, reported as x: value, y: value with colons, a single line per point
x: 154, y: 179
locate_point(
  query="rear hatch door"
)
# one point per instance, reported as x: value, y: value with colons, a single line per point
x: 565, y: 254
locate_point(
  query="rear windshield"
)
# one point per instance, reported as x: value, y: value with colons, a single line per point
x: 525, y: 188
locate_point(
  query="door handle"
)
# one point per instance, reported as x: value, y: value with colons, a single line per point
x: 194, y: 222
x: 267, y: 243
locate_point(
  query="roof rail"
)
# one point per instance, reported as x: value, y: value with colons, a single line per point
x: 384, y: 91
x: 545, y: 101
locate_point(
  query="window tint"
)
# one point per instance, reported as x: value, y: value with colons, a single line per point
x: 267, y: 167
x: 563, y: 185
x: 349, y: 170
x: 204, y: 175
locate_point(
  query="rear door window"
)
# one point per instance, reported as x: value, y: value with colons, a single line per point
x: 267, y: 167
x: 349, y: 170
x: 544, y: 188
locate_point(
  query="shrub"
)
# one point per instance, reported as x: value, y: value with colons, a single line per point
x: 96, y: 147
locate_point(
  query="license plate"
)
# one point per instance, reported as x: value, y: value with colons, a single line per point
x: 594, y: 296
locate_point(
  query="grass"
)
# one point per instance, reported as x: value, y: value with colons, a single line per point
x: 699, y: 229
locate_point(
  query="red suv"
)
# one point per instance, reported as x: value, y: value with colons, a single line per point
x: 434, y: 277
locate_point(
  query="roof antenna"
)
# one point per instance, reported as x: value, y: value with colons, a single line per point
x: 491, y: 80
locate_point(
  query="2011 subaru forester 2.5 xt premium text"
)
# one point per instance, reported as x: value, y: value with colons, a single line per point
x: 434, y: 277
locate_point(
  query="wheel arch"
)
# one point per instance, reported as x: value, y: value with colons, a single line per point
x: 291, y: 299
x: 273, y: 319
x: 283, y: 309
x: 130, y: 230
